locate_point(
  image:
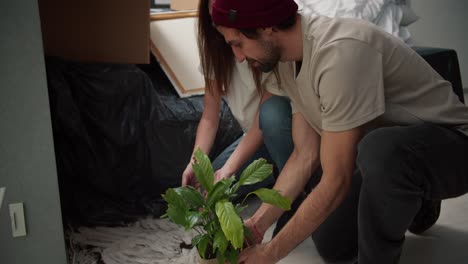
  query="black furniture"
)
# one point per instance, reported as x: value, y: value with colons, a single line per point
x: 445, y: 62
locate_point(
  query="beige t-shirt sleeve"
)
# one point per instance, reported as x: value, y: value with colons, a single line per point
x: 349, y: 81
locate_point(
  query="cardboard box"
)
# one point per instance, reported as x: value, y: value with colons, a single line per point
x: 114, y: 31
x: 184, y: 4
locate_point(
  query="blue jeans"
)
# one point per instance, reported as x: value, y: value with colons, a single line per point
x: 275, y: 123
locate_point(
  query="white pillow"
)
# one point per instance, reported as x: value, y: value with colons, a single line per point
x: 386, y: 14
x: 409, y: 17
x: 363, y: 9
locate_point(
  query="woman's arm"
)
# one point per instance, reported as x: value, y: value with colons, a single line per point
x: 206, y: 131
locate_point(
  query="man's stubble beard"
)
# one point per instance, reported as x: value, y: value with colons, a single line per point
x: 273, y: 55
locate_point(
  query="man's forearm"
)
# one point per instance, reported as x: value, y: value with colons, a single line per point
x: 290, y: 183
x: 338, y: 152
x: 325, y: 198
x: 297, y: 171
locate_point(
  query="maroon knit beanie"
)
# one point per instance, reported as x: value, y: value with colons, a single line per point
x: 245, y: 14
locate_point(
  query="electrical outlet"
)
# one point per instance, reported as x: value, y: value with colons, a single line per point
x: 2, y: 194
x: 18, y: 223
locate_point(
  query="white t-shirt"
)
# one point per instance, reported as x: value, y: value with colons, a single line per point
x: 242, y: 97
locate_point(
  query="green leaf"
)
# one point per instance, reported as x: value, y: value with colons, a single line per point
x: 248, y: 234
x: 273, y: 197
x: 219, y: 191
x: 177, y: 215
x: 174, y: 199
x: 193, y: 219
x: 220, y: 257
x: 240, y: 208
x: 202, y: 245
x: 210, y: 225
x: 196, y: 240
x: 203, y: 170
x: 230, y: 222
x: 191, y: 196
x: 177, y: 209
x: 257, y: 171
x: 220, y: 242
x: 232, y: 255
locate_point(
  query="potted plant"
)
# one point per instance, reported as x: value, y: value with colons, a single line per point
x: 210, y: 211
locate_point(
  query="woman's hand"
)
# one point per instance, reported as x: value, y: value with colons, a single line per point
x: 220, y: 174
x: 188, y: 177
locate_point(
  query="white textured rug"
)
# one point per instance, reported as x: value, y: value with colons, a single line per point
x: 148, y: 241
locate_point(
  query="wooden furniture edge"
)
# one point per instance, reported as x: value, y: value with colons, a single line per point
x: 173, y: 15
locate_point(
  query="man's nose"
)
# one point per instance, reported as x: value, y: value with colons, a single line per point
x: 240, y: 57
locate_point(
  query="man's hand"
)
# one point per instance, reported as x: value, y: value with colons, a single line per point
x: 257, y: 254
x: 257, y: 234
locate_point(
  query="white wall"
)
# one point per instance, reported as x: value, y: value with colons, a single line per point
x: 27, y: 159
x: 443, y: 23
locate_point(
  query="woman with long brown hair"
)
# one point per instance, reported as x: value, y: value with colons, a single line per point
x: 265, y: 119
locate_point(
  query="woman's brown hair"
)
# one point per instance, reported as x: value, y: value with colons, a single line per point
x: 216, y: 57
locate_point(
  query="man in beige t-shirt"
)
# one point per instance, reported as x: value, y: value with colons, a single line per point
x: 363, y: 102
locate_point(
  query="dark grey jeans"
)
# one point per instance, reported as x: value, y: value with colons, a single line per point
x: 401, y: 166
x: 397, y: 168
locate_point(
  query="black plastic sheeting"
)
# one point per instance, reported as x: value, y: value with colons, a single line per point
x: 122, y: 136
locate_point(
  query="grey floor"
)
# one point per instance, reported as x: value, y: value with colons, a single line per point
x: 446, y: 242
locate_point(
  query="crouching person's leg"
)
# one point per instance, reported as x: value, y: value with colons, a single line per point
x: 222, y: 158
x: 400, y: 167
x: 275, y: 121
